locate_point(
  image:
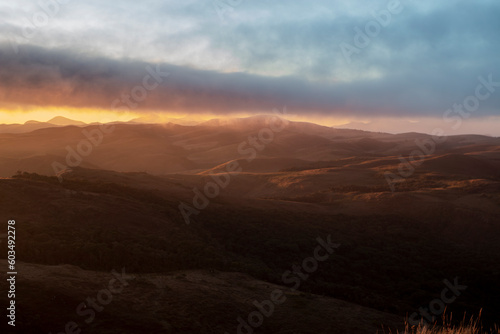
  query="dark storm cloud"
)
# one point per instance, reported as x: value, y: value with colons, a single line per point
x: 61, y: 78
x: 428, y: 58
x: 49, y: 77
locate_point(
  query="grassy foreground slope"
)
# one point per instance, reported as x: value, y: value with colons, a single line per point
x: 390, y: 262
x: 188, y: 302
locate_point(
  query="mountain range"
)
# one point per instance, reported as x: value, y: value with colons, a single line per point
x: 210, y: 218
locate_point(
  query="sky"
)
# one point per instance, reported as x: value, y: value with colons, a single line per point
x: 390, y: 66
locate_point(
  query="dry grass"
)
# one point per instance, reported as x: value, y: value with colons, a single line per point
x: 472, y: 326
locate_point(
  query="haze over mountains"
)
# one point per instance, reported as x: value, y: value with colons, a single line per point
x: 172, y: 148
x: 35, y: 125
x: 436, y: 216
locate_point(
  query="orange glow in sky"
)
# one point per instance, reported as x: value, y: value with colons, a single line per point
x: 10, y: 116
x: 87, y: 115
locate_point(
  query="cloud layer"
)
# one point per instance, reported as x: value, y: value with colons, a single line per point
x: 252, y: 56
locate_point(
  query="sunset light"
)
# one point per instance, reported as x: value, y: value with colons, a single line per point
x: 250, y: 167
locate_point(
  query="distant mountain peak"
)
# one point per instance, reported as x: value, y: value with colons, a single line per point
x: 256, y: 120
x: 60, y: 120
